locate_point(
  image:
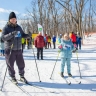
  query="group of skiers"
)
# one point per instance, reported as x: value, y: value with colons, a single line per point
x: 43, y: 41
x: 48, y: 41
x: 76, y: 39
x: 12, y: 34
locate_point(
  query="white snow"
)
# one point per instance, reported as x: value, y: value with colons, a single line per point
x: 87, y: 62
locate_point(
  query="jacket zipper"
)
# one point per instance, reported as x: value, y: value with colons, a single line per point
x: 14, y: 30
x: 16, y: 39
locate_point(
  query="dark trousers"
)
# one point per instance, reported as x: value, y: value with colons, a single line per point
x: 15, y: 55
x: 39, y: 52
x: 74, y: 43
x: 23, y: 46
x: 46, y: 45
x: 28, y: 45
x: 49, y: 44
x: 79, y: 45
x: 54, y: 45
x: 2, y: 52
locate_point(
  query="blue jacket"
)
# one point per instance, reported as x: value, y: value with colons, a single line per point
x: 45, y: 39
x: 54, y: 39
x: 67, y: 47
x: 78, y: 39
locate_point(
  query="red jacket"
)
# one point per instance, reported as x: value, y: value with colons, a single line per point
x: 39, y: 41
x: 73, y: 38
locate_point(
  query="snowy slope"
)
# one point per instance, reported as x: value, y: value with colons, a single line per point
x: 87, y: 61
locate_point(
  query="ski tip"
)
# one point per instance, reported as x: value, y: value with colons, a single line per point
x: 69, y: 83
x: 80, y: 82
x: 52, y: 92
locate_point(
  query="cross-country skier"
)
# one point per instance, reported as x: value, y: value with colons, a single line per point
x: 39, y: 44
x: 79, y: 41
x: 11, y: 35
x: 66, y: 48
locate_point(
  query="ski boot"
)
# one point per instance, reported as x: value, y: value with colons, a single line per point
x: 62, y: 74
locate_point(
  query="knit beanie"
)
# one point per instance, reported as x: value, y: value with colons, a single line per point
x: 12, y: 15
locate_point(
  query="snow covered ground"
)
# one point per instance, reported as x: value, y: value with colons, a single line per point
x: 87, y: 61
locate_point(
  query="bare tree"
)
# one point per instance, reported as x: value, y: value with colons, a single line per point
x: 59, y: 16
x: 76, y: 14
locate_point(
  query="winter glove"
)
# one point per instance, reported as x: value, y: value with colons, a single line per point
x: 74, y: 50
x: 29, y: 37
x: 60, y: 47
x: 18, y: 34
x: 14, y: 33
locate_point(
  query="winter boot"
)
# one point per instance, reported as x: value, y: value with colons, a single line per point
x: 69, y: 74
x: 41, y: 58
x: 14, y: 80
x: 22, y: 79
x: 62, y: 74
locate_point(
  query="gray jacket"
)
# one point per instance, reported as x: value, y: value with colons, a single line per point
x: 8, y: 36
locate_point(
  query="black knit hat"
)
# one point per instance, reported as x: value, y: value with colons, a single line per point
x: 12, y: 15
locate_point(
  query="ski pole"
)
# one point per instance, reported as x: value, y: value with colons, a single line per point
x: 4, y: 79
x: 54, y: 65
x: 78, y: 65
x: 6, y: 69
x: 36, y: 65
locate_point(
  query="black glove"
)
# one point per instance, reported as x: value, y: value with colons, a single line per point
x: 14, y: 33
x: 74, y: 50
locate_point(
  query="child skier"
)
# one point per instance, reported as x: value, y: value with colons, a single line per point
x: 66, y: 47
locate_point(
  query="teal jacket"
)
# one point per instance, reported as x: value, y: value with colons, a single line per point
x: 67, y: 48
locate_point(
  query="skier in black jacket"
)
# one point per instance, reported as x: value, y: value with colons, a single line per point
x: 11, y: 35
